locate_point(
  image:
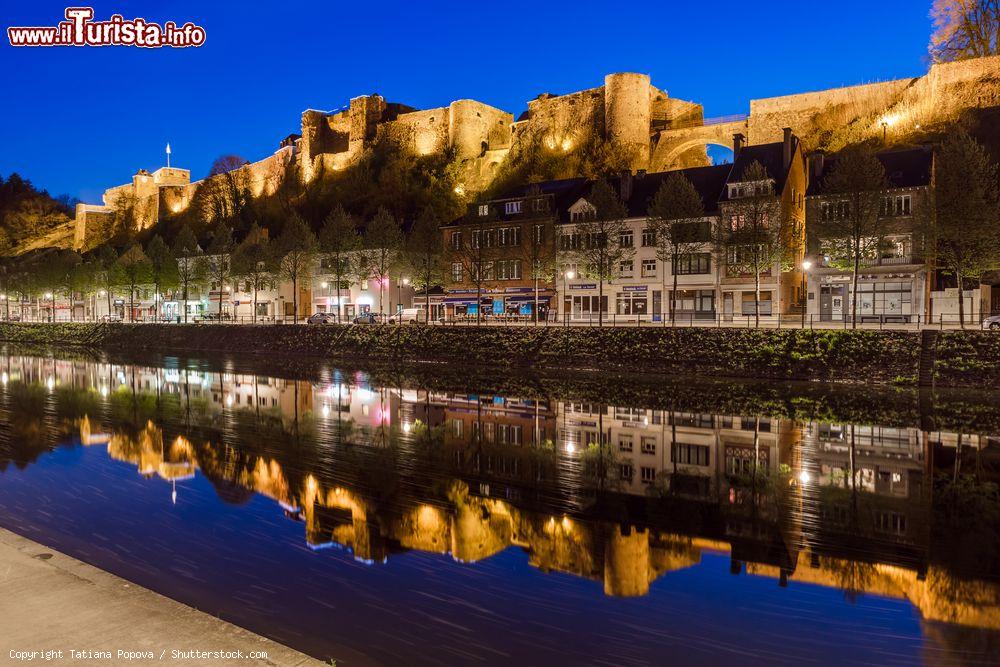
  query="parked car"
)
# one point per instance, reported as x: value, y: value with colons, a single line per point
x: 992, y: 322
x: 321, y: 318
x: 369, y: 318
x: 407, y: 316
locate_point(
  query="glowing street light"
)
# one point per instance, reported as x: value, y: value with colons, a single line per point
x: 567, y: 275
x: 806, y: 265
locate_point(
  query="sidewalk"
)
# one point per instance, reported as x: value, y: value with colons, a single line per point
x: 51, y: 602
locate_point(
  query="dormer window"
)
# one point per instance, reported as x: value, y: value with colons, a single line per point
x: 540, y: 205
x: 741, y: 190
x: 512, y: 207
x: 484, y: 210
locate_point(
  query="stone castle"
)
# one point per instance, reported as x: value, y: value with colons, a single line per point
x: 648, y: 128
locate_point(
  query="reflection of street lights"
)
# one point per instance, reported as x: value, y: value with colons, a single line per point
x: 806, y: 265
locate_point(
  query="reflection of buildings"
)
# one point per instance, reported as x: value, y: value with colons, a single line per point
x: 380, y: 470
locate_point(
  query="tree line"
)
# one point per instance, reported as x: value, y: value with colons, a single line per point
x: 345, y: 248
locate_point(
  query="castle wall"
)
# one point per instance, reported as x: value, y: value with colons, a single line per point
x: 475, y: 128
x: 422, y: 132
x: 807, y: 113
x: 559, y: 121
x: 642, y: 121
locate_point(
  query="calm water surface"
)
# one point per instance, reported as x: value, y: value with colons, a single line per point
x: 378, y: 519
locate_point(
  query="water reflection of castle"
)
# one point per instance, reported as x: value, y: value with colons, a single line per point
x: 616, y: 494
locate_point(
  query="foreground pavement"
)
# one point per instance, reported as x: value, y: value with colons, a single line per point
x: 50, y: 602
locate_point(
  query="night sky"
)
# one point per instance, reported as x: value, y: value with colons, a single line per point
x: 78, y: 120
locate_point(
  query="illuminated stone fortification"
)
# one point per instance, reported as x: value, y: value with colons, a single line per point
x: 640, y: 123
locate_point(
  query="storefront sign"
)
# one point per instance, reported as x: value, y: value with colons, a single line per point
x: 584, y: 286
x: 634, y: 288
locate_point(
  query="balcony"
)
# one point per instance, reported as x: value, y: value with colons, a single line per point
x: 870, y: 262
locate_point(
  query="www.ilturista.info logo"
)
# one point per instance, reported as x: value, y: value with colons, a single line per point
x: 79, y: 29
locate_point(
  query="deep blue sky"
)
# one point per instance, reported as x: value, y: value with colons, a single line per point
x: 78, y: 120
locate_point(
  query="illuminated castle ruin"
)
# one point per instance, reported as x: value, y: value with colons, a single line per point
x: 642, y: 124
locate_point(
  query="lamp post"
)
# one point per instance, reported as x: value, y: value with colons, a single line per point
x: 52, y: 306
x: 567, y: 275
x: 885, y: 131
x: 806, y: 265
x: 399, y: 296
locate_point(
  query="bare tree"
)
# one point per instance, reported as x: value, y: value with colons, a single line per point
x: 107, y: 262
x: 674, y: 215
x: 472, y: 252
x: 162, y: 268
x: 538, y: 247
x: 218, y: 260
x: 190, y: 267
x: 339, y: 244
x: 382, y: 249
x: 130, y: 213
x: 424, y: 252
x: 251, y: 260
x: 133, y: 270
x: 965, y: 29
x: 852, y: 228
x: 600, y: 250
x: 295, y: 252
x: 965, y: 225
x: 226, y: 192
x: 754, y: 235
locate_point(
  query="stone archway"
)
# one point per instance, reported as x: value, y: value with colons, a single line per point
x: 671, y: 144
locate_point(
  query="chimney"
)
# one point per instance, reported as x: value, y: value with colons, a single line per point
x: 816, y: 163
x: 787, y: 148
x: 739, y: 141
x: 625, y: 186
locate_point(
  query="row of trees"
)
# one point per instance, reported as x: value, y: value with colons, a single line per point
x: 348, y: 254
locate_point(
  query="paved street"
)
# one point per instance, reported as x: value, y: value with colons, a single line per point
x: 51, y: 602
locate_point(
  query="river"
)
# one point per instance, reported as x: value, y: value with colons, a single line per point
x: 424, y: 516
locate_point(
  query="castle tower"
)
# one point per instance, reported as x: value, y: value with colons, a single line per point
x: 627, y: 115
x: 626, y: 563
x: 366, y: 112
x: 467, y: 129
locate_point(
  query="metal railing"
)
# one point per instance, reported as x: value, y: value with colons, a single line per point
x: 681, y: 320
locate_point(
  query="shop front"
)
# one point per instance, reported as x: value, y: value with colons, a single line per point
x: 512, y: 303
x: 884, y: 298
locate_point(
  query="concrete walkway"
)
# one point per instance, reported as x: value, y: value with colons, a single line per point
x: 51, y: 602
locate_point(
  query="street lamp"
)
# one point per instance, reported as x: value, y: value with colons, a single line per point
x: 52, y: 306
x: 567, y: 275
x: 806, y: 265
x: 399, y: 296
